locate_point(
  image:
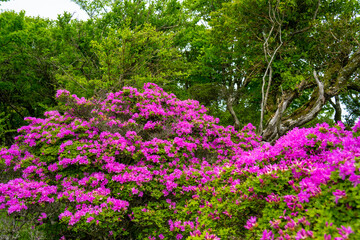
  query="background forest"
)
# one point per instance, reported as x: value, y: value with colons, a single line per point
x: 277, y: 64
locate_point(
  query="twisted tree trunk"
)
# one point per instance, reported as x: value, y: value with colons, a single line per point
x: 279, y: 124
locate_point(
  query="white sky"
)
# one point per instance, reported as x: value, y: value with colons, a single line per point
x: 44, y: 8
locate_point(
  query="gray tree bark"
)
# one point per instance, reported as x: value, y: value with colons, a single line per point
x: 278, y: 124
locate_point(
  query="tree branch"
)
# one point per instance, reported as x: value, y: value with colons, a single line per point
x: 354, y: 86
x: 273, y: 128
x: 344, y: 75
x: 319, y: 103
x: 264, y: 96
x: 229, y: 103
x: 311, y: 25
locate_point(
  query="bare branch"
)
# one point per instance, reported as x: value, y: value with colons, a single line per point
x: 268, y: 71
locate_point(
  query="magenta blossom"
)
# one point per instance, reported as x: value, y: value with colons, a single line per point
x: 251, y: 222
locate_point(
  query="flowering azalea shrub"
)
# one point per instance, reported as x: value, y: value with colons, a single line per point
x: 142, y: 164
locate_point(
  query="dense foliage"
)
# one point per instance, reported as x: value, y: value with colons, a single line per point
x: 142, y: 164
x: 27, y: 86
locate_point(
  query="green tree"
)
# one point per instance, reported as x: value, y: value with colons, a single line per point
x: 94, y: 8
x: 290, y: 57
x: 133, y: 57
x: 27, y: 83
x: 74, y: 58
x: 132, y: 42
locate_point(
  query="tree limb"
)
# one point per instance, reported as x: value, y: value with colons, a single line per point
x: 337, y: 107
x: 311, y: 114
x: 273, y: 129
x: 354, y: 86
x: 264, y: 96
x: 311, y: 25
x: 344, y: 75
x: 229, y: 103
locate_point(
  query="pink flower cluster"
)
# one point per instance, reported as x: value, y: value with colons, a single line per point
x: 139, y: 157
